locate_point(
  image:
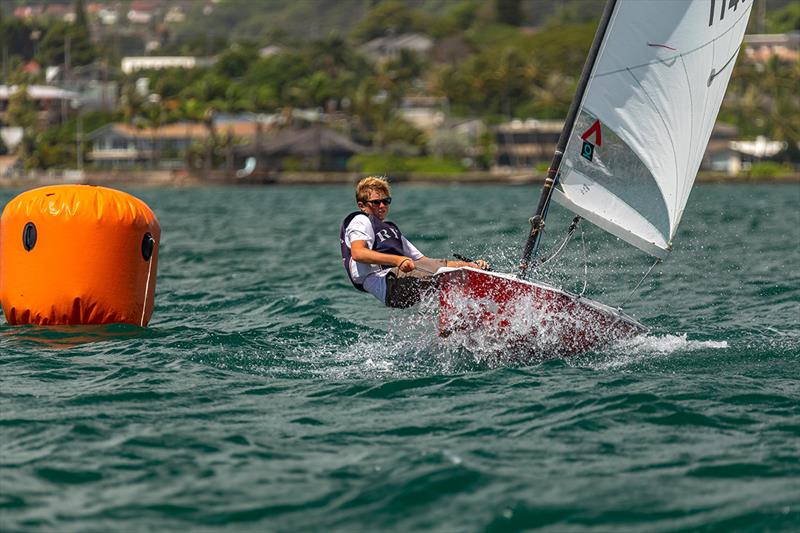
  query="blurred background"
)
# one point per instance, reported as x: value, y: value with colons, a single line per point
x: 174, y: 91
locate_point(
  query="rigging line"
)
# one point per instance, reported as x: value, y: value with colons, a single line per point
x: 564, y: 242
x: 671, y: 142
x: 693, y: 50
x: 619, y: 308
x: 553, y: 173
x: 585, y: 265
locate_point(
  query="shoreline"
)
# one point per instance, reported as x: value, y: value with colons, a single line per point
x: 182, y: 179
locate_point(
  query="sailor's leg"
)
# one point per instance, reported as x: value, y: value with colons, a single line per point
x: 404, y: 289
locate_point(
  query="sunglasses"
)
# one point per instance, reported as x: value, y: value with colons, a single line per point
x: 379, y: 201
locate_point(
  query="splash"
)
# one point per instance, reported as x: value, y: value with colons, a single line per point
x: 626, y: 352
x: 502, y: 319
x: 667, y: 344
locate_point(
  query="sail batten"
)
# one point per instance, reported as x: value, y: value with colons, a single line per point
x: 646, y: 116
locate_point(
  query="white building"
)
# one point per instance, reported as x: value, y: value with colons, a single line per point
x: 133, y: 64
x: 384, y: 48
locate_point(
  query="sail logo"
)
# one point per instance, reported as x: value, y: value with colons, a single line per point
x: 587, y: 150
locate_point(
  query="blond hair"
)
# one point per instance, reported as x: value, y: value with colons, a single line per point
x: 371, y: 183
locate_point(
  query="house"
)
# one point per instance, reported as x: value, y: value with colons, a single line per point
x: 133, y: 64
x: 459, y: 137
x: 53, y: 104
x: 63, y: 12
x: 760, y: 48
x: 120, y: 145
x: 426, y: 113
x: 108, y: 16
x: 141, y: 12
x: 175, y: 15
x: 526, y: 143
x: 315, y: 148
x: 96, y: 89
x: 745, y: 153
x: 28, y: 12
x: 269, y: 51
x: 390, y: 47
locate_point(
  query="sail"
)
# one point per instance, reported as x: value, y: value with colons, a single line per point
x: 647, y: 113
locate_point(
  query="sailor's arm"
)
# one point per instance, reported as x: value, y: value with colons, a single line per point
x: 479, y: 263
x: 361, y: 254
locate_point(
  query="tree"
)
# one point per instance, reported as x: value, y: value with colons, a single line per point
x: 132, y: 105
x: 22, y: 113
x: 22, y: 109
x: 786, y: 19
x: 390, y: 17
x: 154, y: 115
x: 80, y: 15
x: 62, y: 37
x: 234, y: 62
x: 509, y: 12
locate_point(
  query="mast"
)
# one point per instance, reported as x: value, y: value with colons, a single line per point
x: 537, y: 221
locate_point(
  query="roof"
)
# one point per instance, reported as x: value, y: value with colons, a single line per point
x: 761, y: 147
x: 791, y: 39
x: 416, y: 42
x: 134, y: 63
x: 179, y: 130
x: 39, y: 92
x: 307, y: 141
x: 531, y: 125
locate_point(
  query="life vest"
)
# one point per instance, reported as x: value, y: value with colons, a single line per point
x: 388, y: 240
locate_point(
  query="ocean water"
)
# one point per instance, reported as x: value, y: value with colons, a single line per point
x: 268, y: 395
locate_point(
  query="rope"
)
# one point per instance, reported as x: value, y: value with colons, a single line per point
x: 585, y: 265
x: 146, y: 290
x: 564, y: 242
x: 638, y: 284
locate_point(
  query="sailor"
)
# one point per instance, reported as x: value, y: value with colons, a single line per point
x: 378, y: 258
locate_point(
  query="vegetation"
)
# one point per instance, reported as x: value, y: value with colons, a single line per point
x: 786, y: 19
x: 763, y: 100
x: 770, y: 169
x: 49, y: 41
x: 383, y: 164
x: 484, y: 62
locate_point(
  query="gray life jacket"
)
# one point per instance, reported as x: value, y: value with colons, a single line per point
x: 388, y: 240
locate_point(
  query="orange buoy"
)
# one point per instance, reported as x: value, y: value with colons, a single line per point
x: 78, y: 254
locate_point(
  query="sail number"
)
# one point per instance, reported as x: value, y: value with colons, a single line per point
x: 723, y: 6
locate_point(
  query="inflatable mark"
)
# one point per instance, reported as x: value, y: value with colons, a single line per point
x: 78, y: 254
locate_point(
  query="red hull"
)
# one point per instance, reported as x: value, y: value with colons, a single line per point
x: 526, y: 318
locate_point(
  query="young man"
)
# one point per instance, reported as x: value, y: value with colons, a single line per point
x: 378, y: 259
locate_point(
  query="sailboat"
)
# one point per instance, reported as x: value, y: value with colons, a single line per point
x: 626, y: 161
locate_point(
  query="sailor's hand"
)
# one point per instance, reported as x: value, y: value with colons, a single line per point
x: 483, y: 265
x: 406, y: 265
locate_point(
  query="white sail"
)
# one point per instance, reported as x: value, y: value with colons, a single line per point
x: 647, y: 114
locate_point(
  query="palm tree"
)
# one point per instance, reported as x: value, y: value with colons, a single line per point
x: 154, y: 115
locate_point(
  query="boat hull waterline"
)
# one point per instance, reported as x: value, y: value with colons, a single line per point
x: 498, y: 312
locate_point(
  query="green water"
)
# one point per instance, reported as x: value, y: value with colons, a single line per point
x: 268, y: 395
